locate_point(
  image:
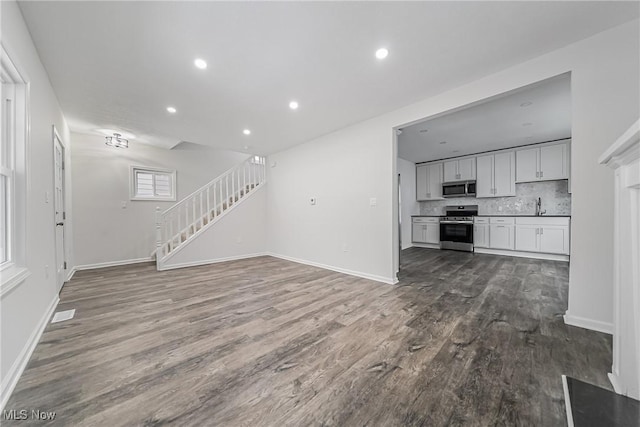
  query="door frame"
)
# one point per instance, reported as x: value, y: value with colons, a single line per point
x: 55, y: 136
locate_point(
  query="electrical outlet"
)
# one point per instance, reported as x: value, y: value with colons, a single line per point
x: 46, y: 271
x: 499, y: 208
x: 345, y: 247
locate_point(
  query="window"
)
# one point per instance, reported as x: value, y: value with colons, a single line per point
x: 13, y: 143
x: 152, y: 184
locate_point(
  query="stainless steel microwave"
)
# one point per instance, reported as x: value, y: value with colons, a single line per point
x: 459, y: 189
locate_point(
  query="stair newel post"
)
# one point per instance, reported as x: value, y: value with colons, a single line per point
x: 158, y: 235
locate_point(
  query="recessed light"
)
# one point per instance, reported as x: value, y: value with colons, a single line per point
x: 424, y: 130
x: 172, y: 110
x: 527, y: 124
x: 526, y: 104
x: 246, y: 132
x: 382, y: 53
x: 200, y: 63
x: 443, y: 142
x: 293, y: 105
x: 455, y: 151
x: 246, y: 147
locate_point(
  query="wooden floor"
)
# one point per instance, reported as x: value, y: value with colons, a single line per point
x: 464, y: 339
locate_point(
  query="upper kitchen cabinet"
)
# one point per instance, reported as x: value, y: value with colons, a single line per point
x: 545, y: 162
x: 429, y: 181
x: 496, y: 176
x: 460, y: 169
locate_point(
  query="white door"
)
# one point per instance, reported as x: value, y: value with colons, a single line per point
x: 504, y: 175
x: 553, y: 162
x: 481, y: 234
x: 484, y: 182
x: 554, y: 240
x: 527, y: 238
x: 421, y: 182
x: 432, y: 233
x: 417, y: 234
x: 527, y: 165
x: 467, y: 169
x: 58, y: 152
x: 501, y: 237
x: 451, y: 171
x: 435, y: 181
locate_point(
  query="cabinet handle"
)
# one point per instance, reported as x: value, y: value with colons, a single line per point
x: 428, y: 195
x: 537, y: 174
x: 542, y: 231
x: 537, y: 230
x: 540, y: 174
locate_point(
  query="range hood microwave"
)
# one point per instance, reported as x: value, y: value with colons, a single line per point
x: 459, y: 189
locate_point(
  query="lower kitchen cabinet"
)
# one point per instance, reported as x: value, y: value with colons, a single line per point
x: 481, y: 233
x: 546, y: 235
x: 501, y: 237
x: 426, y: 230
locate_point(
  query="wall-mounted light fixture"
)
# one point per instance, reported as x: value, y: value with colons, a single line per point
x: 117, y: 141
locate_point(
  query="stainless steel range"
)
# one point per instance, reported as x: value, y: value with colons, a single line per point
x: 456, y: 228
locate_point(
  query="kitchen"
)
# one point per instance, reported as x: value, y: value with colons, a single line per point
x: 493, y: 177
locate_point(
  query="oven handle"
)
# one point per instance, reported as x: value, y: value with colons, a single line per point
x: 456, y: 222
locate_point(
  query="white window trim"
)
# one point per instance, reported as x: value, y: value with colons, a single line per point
x: 14, y: 272
x: 132, y: 184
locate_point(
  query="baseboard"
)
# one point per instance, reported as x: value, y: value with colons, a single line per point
x: 522, y: 254
x: 71, y: 273
x: 212, y: 261
x: 567, y: 401
x: 10, y: 381
x: 426, y: 245
x: 613, y: 379
x: 583, y: 322
x: 387, y: 280
x: 109, y: 264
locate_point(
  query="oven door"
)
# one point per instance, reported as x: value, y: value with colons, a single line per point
x: 454, y: 190
x: 456, y: 235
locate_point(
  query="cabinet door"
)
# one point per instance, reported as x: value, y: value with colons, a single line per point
x: 481, y: 234
x: 451, y: 171
x: 554, y: 239
x: 553, y: 162
x: 417, y: 233
x: 484, y: 182
x: 421, y: 182
x: 467, y: 169
x: 434, y: 178
x: 527, y: 165
x: 501, y: 237
x: 504, y: 174
x: 432, y: 233
x: 527, y: 238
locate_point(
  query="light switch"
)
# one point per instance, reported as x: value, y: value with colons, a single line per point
x: 123, y: 204
x: 373, y: 201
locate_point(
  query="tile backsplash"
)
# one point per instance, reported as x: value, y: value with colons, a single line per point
x: 555, y: 199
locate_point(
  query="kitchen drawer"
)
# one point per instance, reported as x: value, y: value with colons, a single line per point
x: 541, y: 220
x: 502, y: 220
x: 477, y: 220
x: 427, y: 219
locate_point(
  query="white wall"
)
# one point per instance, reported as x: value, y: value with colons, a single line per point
x: 241, y: 233
x: 407, y: 172
x: 344, y: 169
x: 25, y: 309
x: 104, y: 232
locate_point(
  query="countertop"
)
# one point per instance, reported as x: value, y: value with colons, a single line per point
x: 513, y: 215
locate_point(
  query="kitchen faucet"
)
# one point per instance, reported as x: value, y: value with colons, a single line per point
x: 539, y: 212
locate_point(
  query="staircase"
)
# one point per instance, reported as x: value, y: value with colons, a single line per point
x: 183, y: 222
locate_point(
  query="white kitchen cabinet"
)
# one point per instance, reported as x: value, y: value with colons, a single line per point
x: 460, y: 169
x: 481, y: 235
x: 543, y: 163
x: 426, y: 230
x: 429, y: 181
x: 501, y: 233
x: 545, y: 235
x: 496, y: 175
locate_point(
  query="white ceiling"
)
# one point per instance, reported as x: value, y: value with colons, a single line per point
x: 502, y: 122
x: 120, y: 64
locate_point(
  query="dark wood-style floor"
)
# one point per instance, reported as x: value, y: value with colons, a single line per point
x: 464, y: 339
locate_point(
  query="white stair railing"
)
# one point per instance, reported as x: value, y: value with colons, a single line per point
x: 190, y: 216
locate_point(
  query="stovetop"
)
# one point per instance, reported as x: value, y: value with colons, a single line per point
x: 460, y: 213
